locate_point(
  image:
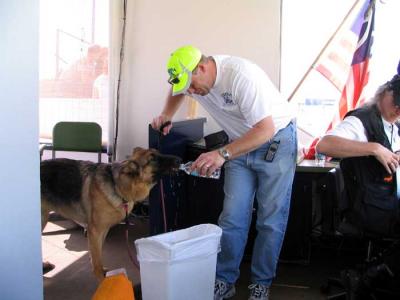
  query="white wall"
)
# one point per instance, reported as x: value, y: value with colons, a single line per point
x: 155, y: 28
x: 20, y: 250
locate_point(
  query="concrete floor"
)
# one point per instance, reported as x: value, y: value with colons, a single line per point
x: 65, y: 245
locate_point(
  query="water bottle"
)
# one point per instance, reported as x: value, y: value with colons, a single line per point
x: 186, y: 168
x: 320, y: 159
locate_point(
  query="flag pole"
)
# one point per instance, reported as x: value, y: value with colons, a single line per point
x: 323, y: 50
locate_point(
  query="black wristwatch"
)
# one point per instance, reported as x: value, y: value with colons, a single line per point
x: 224, y: 153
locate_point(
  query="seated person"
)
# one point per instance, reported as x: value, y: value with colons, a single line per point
x: 368, y: 141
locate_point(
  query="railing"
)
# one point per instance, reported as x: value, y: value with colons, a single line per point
x: 59, y: 32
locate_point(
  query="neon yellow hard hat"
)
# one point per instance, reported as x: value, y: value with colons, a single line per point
x: 180, y: 66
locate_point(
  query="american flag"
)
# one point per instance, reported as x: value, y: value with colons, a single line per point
x: 359, y: 73
x: 357, y: 79
x: 335, y: 64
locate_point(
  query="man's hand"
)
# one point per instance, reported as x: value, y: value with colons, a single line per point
x: 387, y: 158
x: 208, y: 162
x: 159, y: 123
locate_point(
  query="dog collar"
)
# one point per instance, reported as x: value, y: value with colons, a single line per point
x: 125, y: 206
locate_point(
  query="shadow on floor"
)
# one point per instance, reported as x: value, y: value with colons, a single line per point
x: 65, y: 245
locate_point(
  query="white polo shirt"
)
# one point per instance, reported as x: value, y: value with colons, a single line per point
x: 243, y: 95
x: 352, y: 128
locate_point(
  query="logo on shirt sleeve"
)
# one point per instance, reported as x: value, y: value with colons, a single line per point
x: 227, y: 98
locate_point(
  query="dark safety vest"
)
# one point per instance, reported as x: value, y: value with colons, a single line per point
x: 371, y: 192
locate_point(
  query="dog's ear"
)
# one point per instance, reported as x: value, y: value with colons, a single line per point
x: 137, y: 149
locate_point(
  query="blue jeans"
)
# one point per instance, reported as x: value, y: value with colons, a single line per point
x: 250, y: 177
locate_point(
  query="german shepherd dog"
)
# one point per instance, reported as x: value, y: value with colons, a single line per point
x: 94, y: 195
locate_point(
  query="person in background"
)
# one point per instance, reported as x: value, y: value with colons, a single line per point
x: 101, y: 83
x: 259, y: 161
x: 370, y: 131
x: 368, y: 141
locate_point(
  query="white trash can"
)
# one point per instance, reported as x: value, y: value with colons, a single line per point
x: 179, y: 265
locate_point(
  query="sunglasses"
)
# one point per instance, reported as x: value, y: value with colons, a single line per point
x: 173, y: 80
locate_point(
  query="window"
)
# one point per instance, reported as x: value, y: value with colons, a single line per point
x: 304, y: 36
x: 74, y: 58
